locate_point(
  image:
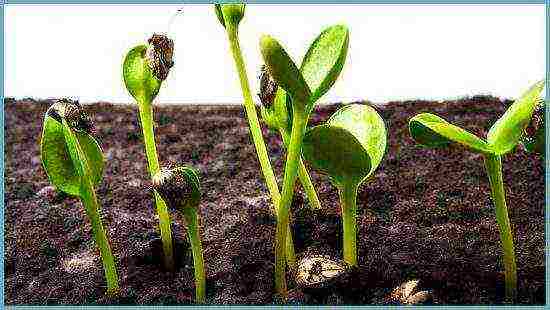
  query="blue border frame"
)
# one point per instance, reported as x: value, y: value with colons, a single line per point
x: 547, y: 115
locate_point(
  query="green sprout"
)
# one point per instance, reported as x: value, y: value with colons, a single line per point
x: 180, y: 188
x: 276, y: 114
x: 74, y: 164
x: 145, y: 67
x: 433, y: 131
x: 320, y: 68
x: 349, y: 148
x: 230, y: 16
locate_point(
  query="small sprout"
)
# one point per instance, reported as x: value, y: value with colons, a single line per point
x: 145, y: 67
x: 349, y: 148
x: 74, y: 164
x: 180, y: 188
x: 433, y: 131
x: 316, y: 271
x: 322, y: 65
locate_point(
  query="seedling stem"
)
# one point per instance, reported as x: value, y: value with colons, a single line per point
x: 256, y: 133
x: 146, y: 118
x: 493, y: 166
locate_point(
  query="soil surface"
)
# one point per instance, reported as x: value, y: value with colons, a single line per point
x: 426, y: 214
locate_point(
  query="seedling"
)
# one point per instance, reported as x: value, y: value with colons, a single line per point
x: 145, y: 67
x: 321, y: 66
x: 276, y: 113
x: 433, y: 131
x: 74, y: 164
x: 349, y: 148
x: 180, y: 188
x: 230, y: 16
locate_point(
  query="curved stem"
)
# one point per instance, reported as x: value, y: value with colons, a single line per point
x: 256, y: 132
x: 146, y: 119
x: 348, y: 197
x: 493, y: 166
x: 192, y: 219
x: 291, y: 171
x: 252, y: 116
x: 89, y: 200
x: 305, y: 179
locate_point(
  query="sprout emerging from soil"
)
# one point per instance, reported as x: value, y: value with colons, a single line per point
x: 320, y: 68
x: 276, y: 113
x: 74, y: 164
x: 144, y: 69
x: 230, y: 16
x: 180, y: 188
x: 349, y: 148
x: 433, y: 131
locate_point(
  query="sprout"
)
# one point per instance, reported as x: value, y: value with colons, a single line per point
x: 433, y: 131
x: 230, y: 16
x: 144, y: 69
x: 321, y: 66
x: 74, y: 164
x: 349, y: 148
x: 180, y: 188
x: 276, y: 114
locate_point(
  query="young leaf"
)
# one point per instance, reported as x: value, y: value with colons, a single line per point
x: 433, y: 131
x: 284, y: 71
x: 57, y: 160
x: 504, y: 135
x: 231, y: 13
x: 349, y: 147
x: 138, y: 78
x: 324, y: 60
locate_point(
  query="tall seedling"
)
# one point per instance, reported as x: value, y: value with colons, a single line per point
x: 433, y: 131
x: 145, y: 67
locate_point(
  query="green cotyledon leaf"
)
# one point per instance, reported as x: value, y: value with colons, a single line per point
x: 325, y: 59
x: 285, y: 72
x: 349, y: 147
x: 138, y: 77
x: 433, y: 131
x: 57, y: 161
x: 506, y: 132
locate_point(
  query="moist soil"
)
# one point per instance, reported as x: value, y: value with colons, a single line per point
x: 425, y: 215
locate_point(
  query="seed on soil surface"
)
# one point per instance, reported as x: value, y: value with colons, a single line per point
x: 316, y: 271
x: 407, y: 294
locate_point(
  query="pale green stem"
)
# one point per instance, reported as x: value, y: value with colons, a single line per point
x: 256, y: 132
x: 305, y: 179
x: 291, y: 171
x: 192, y: 220
x: 146, y: 119
x: 348, y: 197
x: 89, y: 200
x: 493, y: 166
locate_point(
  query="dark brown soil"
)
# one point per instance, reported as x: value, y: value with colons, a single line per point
x: 426, y: 214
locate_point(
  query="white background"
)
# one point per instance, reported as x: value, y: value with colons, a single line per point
x: 396, y: 52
